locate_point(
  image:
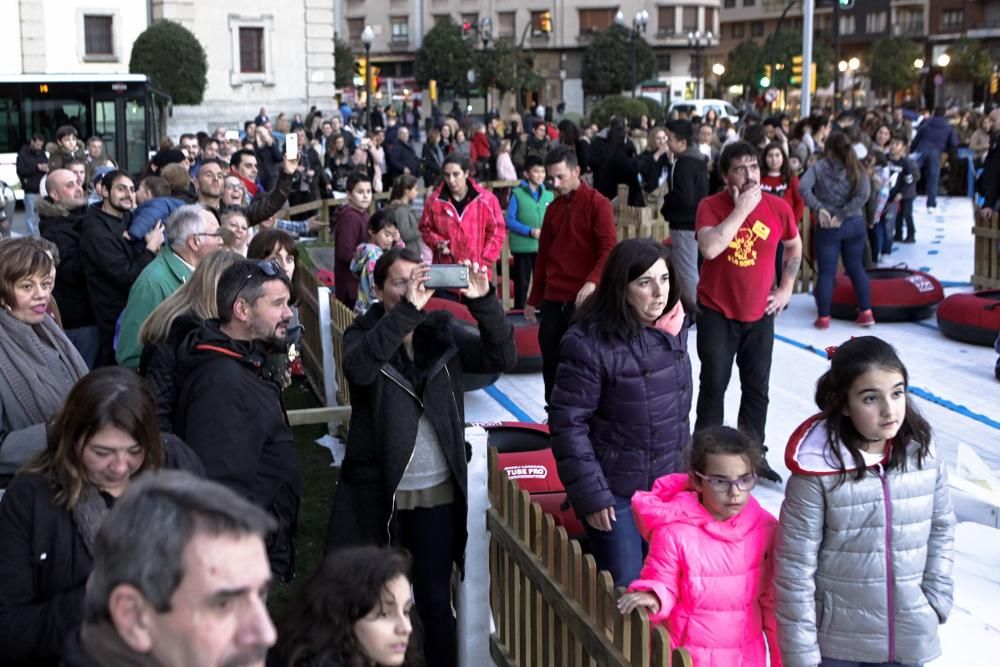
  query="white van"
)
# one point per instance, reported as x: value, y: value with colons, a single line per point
x: 722, y: 108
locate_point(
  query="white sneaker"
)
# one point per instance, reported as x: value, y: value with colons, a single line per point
x: 931, y: 209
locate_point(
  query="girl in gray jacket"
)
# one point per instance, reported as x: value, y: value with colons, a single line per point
x: 864, y: 551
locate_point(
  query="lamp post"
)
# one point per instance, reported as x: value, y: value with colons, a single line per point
x: 639, y: 23
x: 943, y: 61
x: 698, y: 41
x: 486, y: 34
x: 367, y: 37
x: 718, y: 69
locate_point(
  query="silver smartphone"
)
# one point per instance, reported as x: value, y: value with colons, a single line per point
x: 291, y: 147
x: 448, y: 276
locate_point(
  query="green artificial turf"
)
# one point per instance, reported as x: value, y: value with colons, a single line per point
x: 318, y: 483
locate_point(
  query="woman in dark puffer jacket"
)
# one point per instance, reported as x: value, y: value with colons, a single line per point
x: 620, y: 406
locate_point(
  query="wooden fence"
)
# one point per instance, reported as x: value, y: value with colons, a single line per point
x: 986, y: 269
x: 551, y: 606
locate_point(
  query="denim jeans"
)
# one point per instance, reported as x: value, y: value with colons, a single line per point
x: 886, y: 229
x: 905, y: 218
x: 930, y: 168
x: 833, y: 662
x: 87, y: 342
x: 848, y: 242
x: 621, y: 550
x: 30, y: 214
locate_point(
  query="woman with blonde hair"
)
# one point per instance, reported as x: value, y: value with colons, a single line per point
x: 169, y: 324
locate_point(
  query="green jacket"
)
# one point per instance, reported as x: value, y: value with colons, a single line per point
x: 156, y: 282
x: 525, y: 213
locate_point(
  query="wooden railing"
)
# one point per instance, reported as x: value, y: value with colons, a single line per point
x: 986, y: 271
x: 551, y: 606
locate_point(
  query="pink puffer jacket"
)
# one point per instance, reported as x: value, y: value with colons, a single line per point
x: 713, y: 578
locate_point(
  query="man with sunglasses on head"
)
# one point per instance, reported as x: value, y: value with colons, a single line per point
x: 230, y: 372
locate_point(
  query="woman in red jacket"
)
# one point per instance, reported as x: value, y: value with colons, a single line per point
x: 780, y: 181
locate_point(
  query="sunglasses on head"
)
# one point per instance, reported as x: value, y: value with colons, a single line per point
x: 268, y: 267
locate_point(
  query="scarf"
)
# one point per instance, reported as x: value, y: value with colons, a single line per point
x: 39, y: 364
x: 88, y: 514
x: 101, y: 642
x: 250, y: 186
x: 672, y: 320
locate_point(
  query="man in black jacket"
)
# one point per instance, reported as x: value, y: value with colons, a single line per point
x: 402, y: 157
x: 404, y: 476
x: 32, y: 165
x: 688, y: 186
x: 988, y: 183
x: 230, y: 373
x: 111, y: 263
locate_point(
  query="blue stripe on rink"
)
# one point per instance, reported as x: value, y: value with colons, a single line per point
x: 508, y: 404
x: 916, y: 391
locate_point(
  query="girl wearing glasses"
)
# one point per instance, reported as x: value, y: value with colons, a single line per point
x: 708, y: 575
x: 864, y: 557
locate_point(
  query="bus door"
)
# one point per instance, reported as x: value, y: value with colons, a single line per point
x: 120, y: 120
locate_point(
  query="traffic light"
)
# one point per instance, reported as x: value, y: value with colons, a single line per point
x: 796, y: 78
x: 846, y: 4
x: 545, y: 22
x: 765, y: 81
x: 360, y: 66
x: 376, y: 79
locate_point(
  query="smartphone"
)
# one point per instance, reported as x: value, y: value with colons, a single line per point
x: 291, y: 147
x: 448, y: 276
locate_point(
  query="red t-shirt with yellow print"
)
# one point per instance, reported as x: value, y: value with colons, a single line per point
x: 737, y: 282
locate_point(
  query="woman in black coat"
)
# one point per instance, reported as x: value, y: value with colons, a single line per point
x: 619, y: 165
x: 52, y: 510
x: 619, y: 409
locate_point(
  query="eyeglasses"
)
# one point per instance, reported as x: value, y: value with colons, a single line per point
x: 723, y: 485
x: 219, y: 234
x: 268, y: 267
x: 235, y: 186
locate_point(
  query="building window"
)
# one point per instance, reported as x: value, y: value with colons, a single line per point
x: 710, y: 15
x: 757, y: 29
x: 354, y: 29
x: 847, y: 24
x: 536, y: 23
x: 596, y: 20
x: 952, y: 19
x: 472, y: 19
x: 400, y: 26
x: 728, y: 4
x: 749, y: 3
x: 690, y: 20
x: 98, y: 36
x: 662, y: 62
x: 506, y: 24
x: 876, y: 22
x: 252, y: 50
x: 739, y: 30
x: 437, y: 18
x: 665, y: 20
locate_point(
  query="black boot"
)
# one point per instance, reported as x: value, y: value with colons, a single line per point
x: 766, y: 472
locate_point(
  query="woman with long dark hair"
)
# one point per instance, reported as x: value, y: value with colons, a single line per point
x: 355, y: 611
x: 836, y: 189
x: 619, y: 409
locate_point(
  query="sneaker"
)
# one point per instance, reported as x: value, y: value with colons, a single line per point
x: 766, y: 472
x: 865, y: 318
x: 931, y: 209
x: 822, y: 322
x: 897, y: 239
x: 910, y: 240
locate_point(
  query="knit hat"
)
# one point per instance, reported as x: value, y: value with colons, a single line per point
x: 168, y: 156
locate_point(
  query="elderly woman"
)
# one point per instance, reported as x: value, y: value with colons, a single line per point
x: 104, y: 436
x: 38, y: 363
x: 619, y: 409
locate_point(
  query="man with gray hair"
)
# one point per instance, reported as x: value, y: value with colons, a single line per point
x: 180, y: 579
x: 193, y: 233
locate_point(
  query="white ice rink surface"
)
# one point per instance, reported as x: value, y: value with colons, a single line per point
x: 952, y: 383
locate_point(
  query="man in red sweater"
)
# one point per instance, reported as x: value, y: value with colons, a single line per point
x: 578, y: 232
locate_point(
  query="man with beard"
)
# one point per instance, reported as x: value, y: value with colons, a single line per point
x: 111, y: 262
x: 60, y: 215
x: 230, y: 372
x: 191, y: 593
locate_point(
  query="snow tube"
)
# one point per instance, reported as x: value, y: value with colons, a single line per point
x: 529, y: 354
x: 523, y: 451
x: 898, y: 295
x: 971, y: 318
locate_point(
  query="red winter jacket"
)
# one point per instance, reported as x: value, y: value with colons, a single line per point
x: 476, y: 235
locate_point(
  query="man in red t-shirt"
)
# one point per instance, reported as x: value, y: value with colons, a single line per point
x: 578, y: 233
x: 738, y: 232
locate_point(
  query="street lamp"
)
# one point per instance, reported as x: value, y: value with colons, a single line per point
x: 698, y: 41
x: 918, y: 63
x: 486, y: 34
x: 639, y: 23
x: 367, y: 38
x: 943, y: 60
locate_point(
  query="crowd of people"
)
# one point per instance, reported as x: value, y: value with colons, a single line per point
x: 149, y: 323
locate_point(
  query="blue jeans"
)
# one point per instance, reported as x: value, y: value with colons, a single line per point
x: 886, y: 229
x: 848, y: 242
x: 905, y: 218
x: 87, y: 342
x: 833, y: 662
x: 30, y: 215
x: 622, y: 550
x: 930, y: 168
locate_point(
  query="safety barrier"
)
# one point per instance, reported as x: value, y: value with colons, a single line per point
x: 551, y: 605
x: 986, y: 268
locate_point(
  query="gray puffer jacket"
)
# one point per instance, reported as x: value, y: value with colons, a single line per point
x: 826, y: 185
x: 862, y: 570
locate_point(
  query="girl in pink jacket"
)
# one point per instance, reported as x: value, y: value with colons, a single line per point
x: 708, y: 574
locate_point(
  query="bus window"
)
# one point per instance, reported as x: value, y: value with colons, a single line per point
x: 10, y: 138
x: 135, y: 134
x: 104, y: 125
x: 45, y: 116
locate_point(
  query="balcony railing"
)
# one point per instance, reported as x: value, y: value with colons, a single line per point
x: 909, y: 29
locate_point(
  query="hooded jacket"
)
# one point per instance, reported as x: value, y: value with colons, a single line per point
x: 230, y: 413
x: 713, y: 578
x: 619, y: 413
x: 477, y: 234
x: 827, y: 186
x: 389, y: 393
x: 862, y: 568
x: 688, y: 186
x: 63, y: 227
